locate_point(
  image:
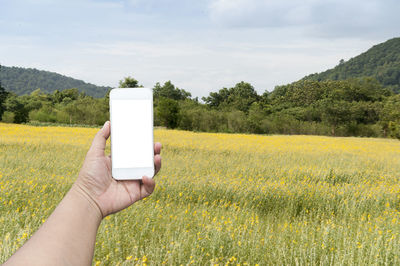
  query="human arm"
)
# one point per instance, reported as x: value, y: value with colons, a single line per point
x: 69, y: 234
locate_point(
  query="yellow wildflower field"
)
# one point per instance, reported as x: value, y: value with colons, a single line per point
x: 220, y: 198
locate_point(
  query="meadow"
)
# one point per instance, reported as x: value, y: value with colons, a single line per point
x: 224, y: 199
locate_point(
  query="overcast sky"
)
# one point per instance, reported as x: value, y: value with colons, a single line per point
x: 200, y: 45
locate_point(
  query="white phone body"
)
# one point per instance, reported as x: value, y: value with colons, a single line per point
x: 132, y: 144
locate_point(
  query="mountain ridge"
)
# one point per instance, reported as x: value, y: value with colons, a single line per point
x: 22, y: 80
x: 381, y: 61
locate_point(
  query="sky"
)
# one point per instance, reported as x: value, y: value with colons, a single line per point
x: 200, y: 45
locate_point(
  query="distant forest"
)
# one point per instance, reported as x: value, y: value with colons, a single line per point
x: 356, y: 98
x: 353, y: 107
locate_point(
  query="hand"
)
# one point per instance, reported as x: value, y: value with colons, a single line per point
x: 95, y: 181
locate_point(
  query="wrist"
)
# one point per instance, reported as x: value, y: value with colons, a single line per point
x: 87, y: 201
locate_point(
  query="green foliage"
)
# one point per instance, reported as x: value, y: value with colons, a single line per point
x: 355, y: 107
x: 3, y: 96
x: 382, y: 62
x: 389, y: 114
x: 255, y: 118
x: 129, y: 82
x: 239, y: 97
x: 335, y: 113
x: 45, y: 114
x: 197, y: 117
x: 168, y: 90
x: 16, y: 105
x: 342, y: 104
x: 25, y: 80
x: 168, y: 112
x: 394, y: 130
x: 8, y: 117
x: 307, y: 92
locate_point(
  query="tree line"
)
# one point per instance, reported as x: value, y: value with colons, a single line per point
x: 352, y: 107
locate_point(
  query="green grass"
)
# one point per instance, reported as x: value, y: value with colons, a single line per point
x: 220, y: 198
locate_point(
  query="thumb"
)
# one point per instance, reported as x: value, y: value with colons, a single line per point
x: 100, y: 139
x: 147, y: 187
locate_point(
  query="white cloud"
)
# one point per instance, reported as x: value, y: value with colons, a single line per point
x: 340, y: 18
x: 256, y: 13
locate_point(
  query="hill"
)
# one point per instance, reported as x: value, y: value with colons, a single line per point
x: 381, y: 62
x: 25, y: 80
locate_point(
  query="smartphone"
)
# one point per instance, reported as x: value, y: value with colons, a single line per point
x: 132, y: 144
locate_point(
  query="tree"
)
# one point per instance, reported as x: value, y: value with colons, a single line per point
x: 168, y: 112
x: 129, y: 82
x: 217, y: 98
x: 394, y: 130
x: 390, y: 115
x: 37, y: 99
x: 3, y: 96
x: 15, y: 105
x: 70, y: 108
x: 239, y: 97
x: 168, y: 90
x: 335, y: 113
x: 46, y: 113
x: 242, y: 96
x: 255, y: 118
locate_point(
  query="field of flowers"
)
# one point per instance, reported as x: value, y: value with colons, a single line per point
x: 220, y: 198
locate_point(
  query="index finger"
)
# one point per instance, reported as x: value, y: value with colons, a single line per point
x: 157, y: 148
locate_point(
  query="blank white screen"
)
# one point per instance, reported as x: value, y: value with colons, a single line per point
x: 131, y: 137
